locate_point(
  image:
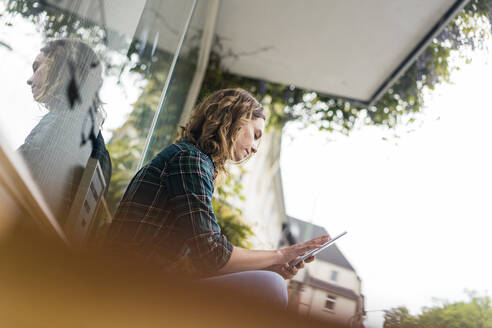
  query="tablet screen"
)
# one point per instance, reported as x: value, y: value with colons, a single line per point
x: 317, y: 250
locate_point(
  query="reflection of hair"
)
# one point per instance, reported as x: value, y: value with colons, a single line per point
x: 215, y: 123
x: 70, y: 58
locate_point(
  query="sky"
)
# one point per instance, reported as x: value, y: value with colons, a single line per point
x: 416, y: 201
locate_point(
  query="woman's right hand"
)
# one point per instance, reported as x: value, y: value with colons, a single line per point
x: 248, y: 259
x: 291, y: 253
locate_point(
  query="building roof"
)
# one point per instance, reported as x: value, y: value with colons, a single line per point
x: 331, y: 288
x: 296, y: 231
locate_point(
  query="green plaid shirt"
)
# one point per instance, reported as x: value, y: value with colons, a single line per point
x: 166, y: 214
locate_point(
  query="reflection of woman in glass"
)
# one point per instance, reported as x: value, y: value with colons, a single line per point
x: 66, y: 80
x: 166, y: 214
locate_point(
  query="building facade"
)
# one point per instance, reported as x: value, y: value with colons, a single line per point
x: 264, y: 208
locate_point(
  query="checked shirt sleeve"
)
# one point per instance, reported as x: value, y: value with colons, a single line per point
x: 189, y: 180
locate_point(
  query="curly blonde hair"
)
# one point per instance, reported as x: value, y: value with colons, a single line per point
x: 215, y: 124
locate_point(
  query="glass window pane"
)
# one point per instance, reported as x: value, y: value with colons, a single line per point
x: 73, y: 69
x: 181, y: 80
x: 334, y: 275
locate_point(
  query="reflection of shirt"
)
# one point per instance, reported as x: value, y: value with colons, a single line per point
x: 166, y: 214
x: 100, y: 152
x: 56, y: 158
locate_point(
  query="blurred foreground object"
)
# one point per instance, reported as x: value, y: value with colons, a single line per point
x: 43, y: 281
x: 46, y: 281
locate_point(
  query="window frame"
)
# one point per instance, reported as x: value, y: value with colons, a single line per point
x: 334, y: 275
x: 330, y: 299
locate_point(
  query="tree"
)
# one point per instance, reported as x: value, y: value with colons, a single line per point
x: 474, y: 313
x: 229, y: 216
x: 399, y: 317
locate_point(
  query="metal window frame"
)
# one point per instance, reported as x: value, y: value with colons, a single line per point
x: 162, y: 100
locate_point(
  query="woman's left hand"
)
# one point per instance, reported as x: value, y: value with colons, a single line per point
x: 286, y: 271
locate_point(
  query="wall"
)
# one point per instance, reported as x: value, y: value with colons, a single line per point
x: 346, y: 278
x: 264, y: 207
x: 344, y: 308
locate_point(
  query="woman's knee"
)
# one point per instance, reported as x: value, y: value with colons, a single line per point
x: 266, y: 285
x: 274, y: 287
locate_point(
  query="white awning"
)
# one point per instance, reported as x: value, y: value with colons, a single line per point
x: 348, y: 48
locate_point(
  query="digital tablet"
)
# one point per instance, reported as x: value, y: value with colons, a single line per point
x: 317, y: 250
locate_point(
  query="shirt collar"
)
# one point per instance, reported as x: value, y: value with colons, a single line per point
x: 189, y: 142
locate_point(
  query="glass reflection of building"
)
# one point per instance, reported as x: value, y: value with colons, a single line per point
x: 150, y: 52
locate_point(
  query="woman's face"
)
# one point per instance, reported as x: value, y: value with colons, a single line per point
x: 40, y: 69
x: 248, y: 138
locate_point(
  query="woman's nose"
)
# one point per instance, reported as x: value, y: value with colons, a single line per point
x: 29, y: 81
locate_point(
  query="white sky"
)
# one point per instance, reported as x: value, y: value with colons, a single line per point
x: 417, y: 208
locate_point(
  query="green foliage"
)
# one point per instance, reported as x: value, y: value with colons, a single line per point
x: 128, y: 141
x: 285, y: 103
x: 124, y: 150
x: 55, y: 23
x: 271, y: 94
x: 475, y: 313
x: 229, y: 217
x: 231, y: 223
x: 399, y: 317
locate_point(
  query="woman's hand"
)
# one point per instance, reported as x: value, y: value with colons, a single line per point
x: 291, y: 253
x: 276, y: 260
x: 286, y: 271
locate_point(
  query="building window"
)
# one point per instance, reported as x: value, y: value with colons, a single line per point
x: 334, y: 275
x: 330, y: 302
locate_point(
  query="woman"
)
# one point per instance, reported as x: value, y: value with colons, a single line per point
x: 66, y: 80
x: 166, y: 214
